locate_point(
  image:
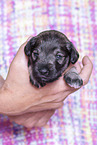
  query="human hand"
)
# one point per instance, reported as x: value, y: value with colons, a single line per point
x: 24, y: 99
x: 33, y: 119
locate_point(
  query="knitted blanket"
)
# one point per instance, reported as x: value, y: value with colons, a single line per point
x: 76, y: 122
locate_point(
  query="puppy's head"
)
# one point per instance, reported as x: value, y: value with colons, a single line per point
x: 49, y: 55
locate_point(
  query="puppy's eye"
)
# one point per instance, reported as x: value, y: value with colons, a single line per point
x: 59, y: 56
x: 35, y: 54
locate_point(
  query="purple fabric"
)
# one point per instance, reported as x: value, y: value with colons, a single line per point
x: 76, y: 122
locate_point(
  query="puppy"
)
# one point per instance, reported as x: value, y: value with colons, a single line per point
x: 49, y: 54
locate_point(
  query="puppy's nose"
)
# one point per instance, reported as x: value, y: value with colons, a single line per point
x: 44, y: 71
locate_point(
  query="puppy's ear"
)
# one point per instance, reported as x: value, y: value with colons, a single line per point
x: 73, y: 52
x: 29, y: 45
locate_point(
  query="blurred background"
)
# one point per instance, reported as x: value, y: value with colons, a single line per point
x: 76, y: 122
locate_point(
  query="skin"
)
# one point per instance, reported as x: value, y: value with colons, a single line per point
x: 31, y: 106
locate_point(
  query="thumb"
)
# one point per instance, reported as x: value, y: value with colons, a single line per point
x: 86, y: 70
x: 21, y: 49
x: 20, y: 56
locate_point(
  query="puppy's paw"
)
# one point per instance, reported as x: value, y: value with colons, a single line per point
x: 76, y: 83
x: 35, y: 83
x: 31, y: 77
x: 73, y: 80
x: 42, y: 84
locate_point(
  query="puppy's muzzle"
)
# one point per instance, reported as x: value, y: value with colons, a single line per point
x: 44, y: 71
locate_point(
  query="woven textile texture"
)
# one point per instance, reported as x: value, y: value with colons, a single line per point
x: 76, y: 122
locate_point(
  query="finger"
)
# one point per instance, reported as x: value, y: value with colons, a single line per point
x: 20, y: 57
x: 46, y: 106
x: 26, y: 42
x: 30, y: 120
x: 33, y: 119
x: 38, y: 119
x: 86, y: 70
x: 76, y: 65
x: 20, y: 119
x: 44, y: 119
x: 21, y: 49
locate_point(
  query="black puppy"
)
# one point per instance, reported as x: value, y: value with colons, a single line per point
x: 49, y: 54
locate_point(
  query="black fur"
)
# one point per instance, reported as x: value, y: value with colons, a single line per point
x: 49, y: 54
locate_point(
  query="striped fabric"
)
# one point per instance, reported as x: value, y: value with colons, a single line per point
x: 76, y: 122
